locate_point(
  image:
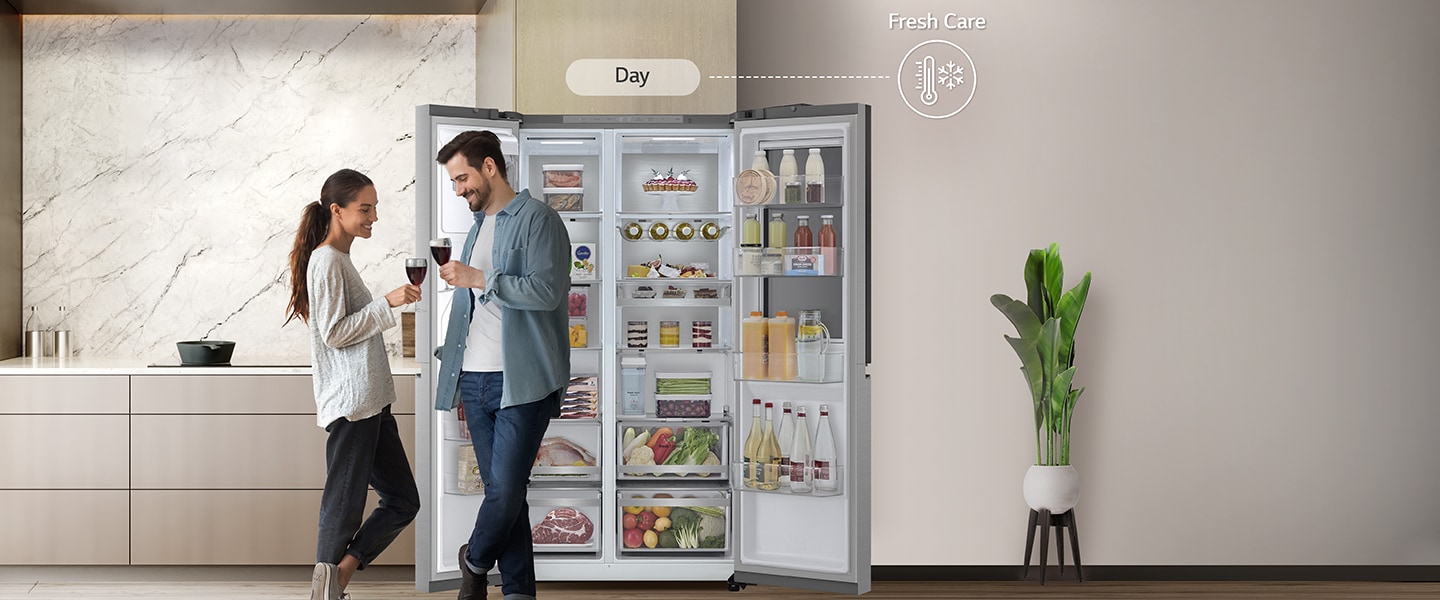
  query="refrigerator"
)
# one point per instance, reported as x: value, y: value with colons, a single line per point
x: 664, y: 277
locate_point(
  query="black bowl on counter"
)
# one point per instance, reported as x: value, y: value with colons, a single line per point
x: 205, y: 352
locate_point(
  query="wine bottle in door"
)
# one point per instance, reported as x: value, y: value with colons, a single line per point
x: 785, y: 438
x: 800, y: 455
x: 752, y: 446
x: 825, y: 453
x: 769, y: 455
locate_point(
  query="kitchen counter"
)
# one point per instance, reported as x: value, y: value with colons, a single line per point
x: 280, y: 365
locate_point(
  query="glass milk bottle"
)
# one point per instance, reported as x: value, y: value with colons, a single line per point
x: 814, y: 178
x: 790, y: 179
x: 811, y: 338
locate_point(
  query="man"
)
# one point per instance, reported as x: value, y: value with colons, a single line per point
x: 506, y: 356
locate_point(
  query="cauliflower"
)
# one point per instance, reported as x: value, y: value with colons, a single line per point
x: 640, y: 455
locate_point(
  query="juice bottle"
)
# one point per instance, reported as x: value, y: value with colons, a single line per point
x: 828, y: 244
x: 782, y: 366
x: 790, y: 178
x: 803, y: 237
x: 814, y: 177
x: 754, y: 338
x: 750, y: 231
x: 777, y: 231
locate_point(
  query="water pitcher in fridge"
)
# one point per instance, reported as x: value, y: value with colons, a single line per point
x: 811, y: 338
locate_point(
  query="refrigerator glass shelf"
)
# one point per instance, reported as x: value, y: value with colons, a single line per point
x: 673, y: 302
x: 676, y: 350
x: 452, y: 492
x: 776, y: 197
x: 737, y: 479
x: 790, y: 261
x: 589, y: 547
x: 579, y: 216
x: 660, y: 216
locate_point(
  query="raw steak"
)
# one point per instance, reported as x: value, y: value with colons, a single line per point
x: 560, y: 452
x: 563, y: 526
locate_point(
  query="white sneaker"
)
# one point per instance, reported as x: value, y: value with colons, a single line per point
x: 325, y: 583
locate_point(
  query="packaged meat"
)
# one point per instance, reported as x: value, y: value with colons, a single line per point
x: 565, y: 199
x: 563, y: 176
x: 563, y: 525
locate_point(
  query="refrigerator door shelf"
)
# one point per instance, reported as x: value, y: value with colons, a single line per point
x: 737, y: 483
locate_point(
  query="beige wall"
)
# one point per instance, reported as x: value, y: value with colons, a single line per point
x: 551, y: 34
x: 1253, y: 185
x: 495, y: 55
x: 10, y: 199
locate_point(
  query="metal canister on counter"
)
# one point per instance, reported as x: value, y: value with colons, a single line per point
x: 669, y: 334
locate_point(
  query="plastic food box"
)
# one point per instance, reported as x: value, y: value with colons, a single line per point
x: 689, y: 383
x: 682, y: 406
x: 563, y: 176
x: 565, y: 199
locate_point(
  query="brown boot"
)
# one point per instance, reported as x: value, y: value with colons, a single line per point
x: 472, y: 586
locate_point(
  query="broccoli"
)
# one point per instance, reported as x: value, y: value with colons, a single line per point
x: 713, y: 541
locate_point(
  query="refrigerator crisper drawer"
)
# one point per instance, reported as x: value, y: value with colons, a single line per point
x: 676, y: 521
x: 569, y: 451
x: 658, y: 441
x: 565, y: 520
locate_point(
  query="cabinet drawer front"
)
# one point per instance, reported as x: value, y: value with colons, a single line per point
x: 64, y: 452
x: 65, y: 527
x: 47, y: 394
x: 237, y: 527
x: 405, y: 395
x: 226, y: 394
x: 190, y: 452
x: 227, y: 452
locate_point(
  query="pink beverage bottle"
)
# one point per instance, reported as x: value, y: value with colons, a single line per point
x: 828, y: 243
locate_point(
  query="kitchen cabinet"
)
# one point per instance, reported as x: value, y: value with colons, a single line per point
x: 65, y: 527
x: 236, y: 527
x: 157, y: 466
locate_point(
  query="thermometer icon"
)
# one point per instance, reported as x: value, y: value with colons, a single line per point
x: 927, y: 81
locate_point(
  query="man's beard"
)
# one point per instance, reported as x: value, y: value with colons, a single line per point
x: 480, y: 198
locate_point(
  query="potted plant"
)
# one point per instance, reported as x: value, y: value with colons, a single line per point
x: 1046, y: 346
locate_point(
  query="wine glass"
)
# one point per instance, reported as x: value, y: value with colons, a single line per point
x: 415, y: 269
x: 440, y: 250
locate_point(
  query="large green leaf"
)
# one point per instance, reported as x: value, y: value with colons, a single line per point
x: 1047, y: 345
x: 1020, y: 316
x: 1054, y: 279
x: 1059, y: 396
x: 1035, y: 284
x: 1071, y: 305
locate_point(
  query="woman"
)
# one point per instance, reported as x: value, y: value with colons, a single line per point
x: 353, y: 385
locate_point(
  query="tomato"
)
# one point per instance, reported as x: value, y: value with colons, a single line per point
x: 630, y: 521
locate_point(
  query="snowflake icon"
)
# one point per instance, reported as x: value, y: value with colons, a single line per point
x: 950, y: 75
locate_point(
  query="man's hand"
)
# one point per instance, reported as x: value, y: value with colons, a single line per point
x: 461, y: 275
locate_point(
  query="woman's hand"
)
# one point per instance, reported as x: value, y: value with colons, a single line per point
x: 405, y: 294
x: 461, y: 275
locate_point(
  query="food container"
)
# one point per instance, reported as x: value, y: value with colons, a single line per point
x: 647, y: 446
x: 565, y: 199
x: 701, y: 334
x: 565, y: 520
x: 468, y: 479
x: 669, y: 334
x: 682, y: 406
x: 578, y: 302
x: 637, y: 334
x: 579, y: 333
x: 671, y: 382
x: 772, y: 262
x: 563, y: 176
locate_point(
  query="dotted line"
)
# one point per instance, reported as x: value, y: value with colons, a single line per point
x: 799, y: 76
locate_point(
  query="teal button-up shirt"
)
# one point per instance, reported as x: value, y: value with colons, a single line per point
x: 530, y: 282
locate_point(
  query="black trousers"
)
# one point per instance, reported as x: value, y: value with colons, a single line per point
x: 359, y: 455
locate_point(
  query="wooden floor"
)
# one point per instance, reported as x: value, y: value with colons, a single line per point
x: 928, y: 590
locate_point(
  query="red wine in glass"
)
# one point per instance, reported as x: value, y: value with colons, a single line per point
x: 415, y: 269
x: 440, y: 249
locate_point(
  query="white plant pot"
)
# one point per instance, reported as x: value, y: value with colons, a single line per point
x: 1055, y: 489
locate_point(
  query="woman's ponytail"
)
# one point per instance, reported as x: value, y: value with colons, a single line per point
x: 314, y: 226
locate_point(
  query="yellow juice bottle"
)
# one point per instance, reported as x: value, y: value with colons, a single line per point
x: 754, y: 338
x: 781, y: 331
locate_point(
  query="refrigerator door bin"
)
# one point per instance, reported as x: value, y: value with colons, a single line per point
x: 837, y: 474
x: 562, y: 517
x: 694, y: 521
x: 668, y: 441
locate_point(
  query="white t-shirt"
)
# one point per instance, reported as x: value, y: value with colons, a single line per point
x: 482, y: 347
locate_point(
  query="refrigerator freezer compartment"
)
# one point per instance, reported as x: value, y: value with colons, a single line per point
x: 740, y: 483
x: 673, y: 522
x: 693, y: 449
x: 565, y: 520
x: 569, y: 451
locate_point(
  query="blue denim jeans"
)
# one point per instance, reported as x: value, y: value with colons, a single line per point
x: 359, y: 455
x: 506, y: 441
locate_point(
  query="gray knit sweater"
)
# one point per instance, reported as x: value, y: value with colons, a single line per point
x: 352, y: 371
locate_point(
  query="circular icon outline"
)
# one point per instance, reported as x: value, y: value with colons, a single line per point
x: 900, y: 79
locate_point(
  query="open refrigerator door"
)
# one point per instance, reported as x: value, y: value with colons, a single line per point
x: 802, y: 277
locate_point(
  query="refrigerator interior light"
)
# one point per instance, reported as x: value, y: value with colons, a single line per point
x: 562, y: 142
x: 672, y: 139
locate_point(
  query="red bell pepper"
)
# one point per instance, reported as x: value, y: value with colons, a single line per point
x: 664, y: 446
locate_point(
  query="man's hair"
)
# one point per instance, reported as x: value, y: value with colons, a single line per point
x: 475, y: 146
